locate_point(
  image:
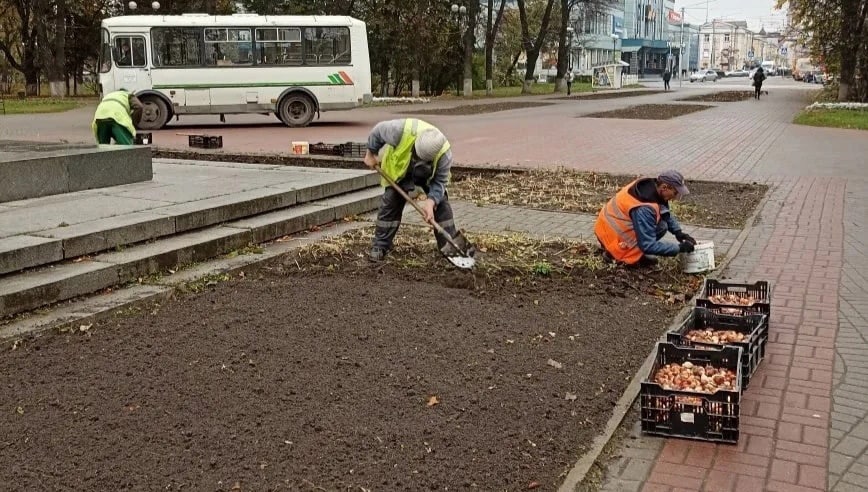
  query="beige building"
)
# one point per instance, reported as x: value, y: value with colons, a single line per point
x: 725, y: 45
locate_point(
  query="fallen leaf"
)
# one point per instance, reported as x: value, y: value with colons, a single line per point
x: 433, y: 401
x: 20, y: 410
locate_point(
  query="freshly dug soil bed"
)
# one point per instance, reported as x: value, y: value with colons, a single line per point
x: 328, y: 374
x: 650, y: 112
x: 606, y: 95
x: 725, y: 96
x: 468, y: 109
x: 710, y: 204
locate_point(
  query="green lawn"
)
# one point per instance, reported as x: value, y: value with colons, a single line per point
x: 40, y: 105
x: 515, y: 91
x: 834, y: 118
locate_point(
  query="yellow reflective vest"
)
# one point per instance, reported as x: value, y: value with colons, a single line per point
x: 396, y: 160
x: 115, y: 106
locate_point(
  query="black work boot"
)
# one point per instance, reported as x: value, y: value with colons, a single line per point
x: 377, y: 255
x: 648, y: 261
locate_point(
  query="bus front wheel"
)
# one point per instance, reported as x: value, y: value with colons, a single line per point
x: 296, y: 110
x: 155, y: 114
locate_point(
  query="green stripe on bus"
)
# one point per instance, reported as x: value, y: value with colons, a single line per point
x: 242, y: 85
x: 335, y: 79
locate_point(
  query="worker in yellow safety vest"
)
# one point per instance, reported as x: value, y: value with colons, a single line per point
x: 417, y: 156
x: 116, y: 118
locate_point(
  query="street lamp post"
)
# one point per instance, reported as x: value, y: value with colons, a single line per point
x: 614, y: 47
x: 570, y: 31
x: 459, y: 13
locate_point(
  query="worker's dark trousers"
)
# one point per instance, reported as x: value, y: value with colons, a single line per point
x: 758, y: 88
x: 389, y: 219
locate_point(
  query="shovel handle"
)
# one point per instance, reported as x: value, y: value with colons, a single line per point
x: 437, y: 227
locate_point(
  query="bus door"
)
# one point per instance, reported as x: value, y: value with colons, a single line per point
x: 130, y: 54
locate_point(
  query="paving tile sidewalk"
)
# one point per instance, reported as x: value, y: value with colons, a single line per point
x: 544, y: 223
x: 804, y: 416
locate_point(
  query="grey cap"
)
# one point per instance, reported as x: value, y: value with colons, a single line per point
x: 429, y: 143
x: 675, y: 180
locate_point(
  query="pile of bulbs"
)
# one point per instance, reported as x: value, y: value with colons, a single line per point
x: 733, y: 299
x: 691, y: 377
x: 710, y: 335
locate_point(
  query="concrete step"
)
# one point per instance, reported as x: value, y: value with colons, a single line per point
x: 103, y: 232
x: 29, y: 290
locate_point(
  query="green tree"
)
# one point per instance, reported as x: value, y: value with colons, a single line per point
x: 836, y: 32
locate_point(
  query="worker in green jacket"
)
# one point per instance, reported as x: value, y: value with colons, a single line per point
x: 116, y: 118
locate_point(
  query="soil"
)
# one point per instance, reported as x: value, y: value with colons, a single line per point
x: 719, y: 205
x: 650, y: 112
x: 607, y: 95
x: 725, y: 96
x: 328, y: 374
x: 469, y: 109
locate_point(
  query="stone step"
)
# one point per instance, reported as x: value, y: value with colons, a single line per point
x: 29, y: 290
x: 43, y: 247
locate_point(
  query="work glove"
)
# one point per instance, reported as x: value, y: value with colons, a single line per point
x: 682, y: 237
x: 686, y: 247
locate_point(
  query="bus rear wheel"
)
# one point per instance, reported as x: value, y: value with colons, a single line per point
x: 155, y: 114
x: 296, y: 110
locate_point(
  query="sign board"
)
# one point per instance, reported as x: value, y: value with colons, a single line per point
x: 674, y: 17
x: 750, y: 54
x: 783, y: 50
x: 618, y: 26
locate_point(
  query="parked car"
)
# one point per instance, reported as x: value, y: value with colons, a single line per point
x: 704, y: 75
x: 738, y: 73
x: 720, y: 73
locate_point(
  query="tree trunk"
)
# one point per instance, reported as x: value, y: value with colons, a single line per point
x: 57, y: 73
x: 563, y: 48
x: 532, y: 57
x: 469, y: 43
x: 491, y: 30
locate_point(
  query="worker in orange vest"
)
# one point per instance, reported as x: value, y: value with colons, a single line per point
x: 631, y: 225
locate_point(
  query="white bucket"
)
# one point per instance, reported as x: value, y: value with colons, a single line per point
x: 700, y: 260
x: 300, y: 148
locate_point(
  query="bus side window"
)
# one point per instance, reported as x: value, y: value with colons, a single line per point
x: 327, y: 46
x: 122, y: 54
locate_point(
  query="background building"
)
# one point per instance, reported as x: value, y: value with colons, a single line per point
x: 725, y: 45
x: 597, y: 37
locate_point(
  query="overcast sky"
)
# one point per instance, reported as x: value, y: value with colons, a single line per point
x: 757, y: 13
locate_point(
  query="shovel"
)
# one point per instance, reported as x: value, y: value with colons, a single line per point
x: 458, y: 249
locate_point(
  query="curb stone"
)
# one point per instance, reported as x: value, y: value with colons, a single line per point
x: 580, y: 470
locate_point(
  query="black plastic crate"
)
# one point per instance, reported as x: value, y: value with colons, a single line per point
x: 205, y: 141
x: 688, y: 414
x: 754, y: 326
x: 761, y: 291
x: 326, y: 149
x: 354, y: 149
x: 144, y: 138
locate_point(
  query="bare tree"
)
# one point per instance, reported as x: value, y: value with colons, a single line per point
x: 532, y: 46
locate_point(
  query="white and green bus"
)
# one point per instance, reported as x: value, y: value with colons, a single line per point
x: 291, y: 66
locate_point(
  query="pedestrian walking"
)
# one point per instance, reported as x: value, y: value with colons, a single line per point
x: 758, y: 78
x: 116, y: 118
x: 417, y: 156
x: 569, y: 80
x: 667, y: 76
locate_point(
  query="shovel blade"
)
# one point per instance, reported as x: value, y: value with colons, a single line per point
x: 463, y: 256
